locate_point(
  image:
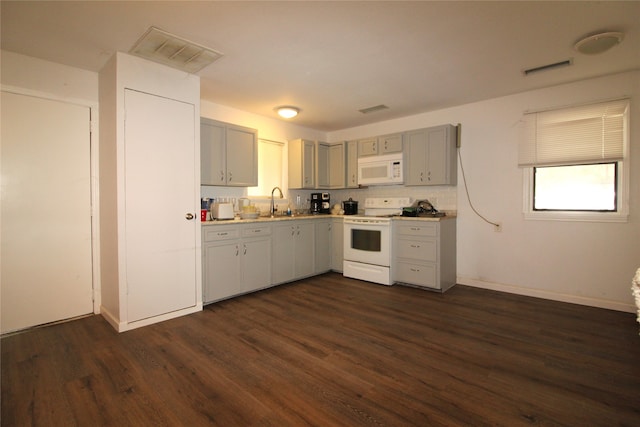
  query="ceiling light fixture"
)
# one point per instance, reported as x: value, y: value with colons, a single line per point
x: 287, y: 112
x: 598, y: 43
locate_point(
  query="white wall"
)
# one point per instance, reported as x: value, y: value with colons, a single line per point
x: 37, y: 77
x: 588, y: 263
x: 583, y: 262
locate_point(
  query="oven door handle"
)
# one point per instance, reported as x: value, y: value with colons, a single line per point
x: 366, y: 222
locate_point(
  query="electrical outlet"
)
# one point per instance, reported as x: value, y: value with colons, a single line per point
x: 497, y: 227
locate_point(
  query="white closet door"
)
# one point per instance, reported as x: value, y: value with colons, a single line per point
x: 46, y: 211
x: 159, y: 194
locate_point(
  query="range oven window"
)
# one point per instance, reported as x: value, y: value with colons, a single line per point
x: 366, y: 240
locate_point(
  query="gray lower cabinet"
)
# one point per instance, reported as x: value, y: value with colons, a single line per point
x: 323, y: 245
x: 337, y: 238
x: 424, y: 253
x: 242, y: 258
x: 236, y: 260
x: 293, y: 248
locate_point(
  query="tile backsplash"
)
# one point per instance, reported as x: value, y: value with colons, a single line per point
x: 444, y: 197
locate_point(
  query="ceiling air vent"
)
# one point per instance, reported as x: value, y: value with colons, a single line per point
x: 167, y: 49
x: 373, y: 109
x: 548, y: 67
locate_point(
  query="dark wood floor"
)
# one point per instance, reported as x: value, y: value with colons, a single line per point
x: 331, y: 351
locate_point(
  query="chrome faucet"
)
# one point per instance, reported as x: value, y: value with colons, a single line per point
x: 272, y: 209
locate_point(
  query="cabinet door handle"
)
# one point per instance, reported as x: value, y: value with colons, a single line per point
x: 415, y: 246
x: 221, y: 176
x: 415, y: 270
x: 237, y: 250
x: 189, y: 216
x: 415, y: 228
x: 230, y: 177
x: 245, y: 249
x: 222, y: 234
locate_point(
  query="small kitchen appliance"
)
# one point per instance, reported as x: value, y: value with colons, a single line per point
x: 222, y: 211
x: 422, y: 208
x: 350, y: 207
x: 380, y: 170
x: 320, y: 203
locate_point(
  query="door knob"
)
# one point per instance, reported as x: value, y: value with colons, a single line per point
x: 189, y: 216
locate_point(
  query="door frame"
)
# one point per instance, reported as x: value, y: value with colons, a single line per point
x: 94, y: 172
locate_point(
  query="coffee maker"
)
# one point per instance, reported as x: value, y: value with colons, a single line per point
x: 320, y: 203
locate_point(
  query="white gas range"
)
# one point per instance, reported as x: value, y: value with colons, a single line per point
x: 367, y: 240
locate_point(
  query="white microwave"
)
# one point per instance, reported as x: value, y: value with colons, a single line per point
x: 380, y: 170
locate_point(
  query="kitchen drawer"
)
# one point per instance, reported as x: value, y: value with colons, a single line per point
x: 421, y: 250
x: 419, y: 229
x: 257, y: 231
x: 216, y: 233
x: 417, y: 274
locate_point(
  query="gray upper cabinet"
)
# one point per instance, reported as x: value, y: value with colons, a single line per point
x: 228, y: 154
x: 430, y: 156
x: 380, y: 145
x: 337, y: 171
x: 352, y: 164
x: 242, y: 156
x: 302, y: 164
x: 390, y: 144
x: 322, y: 165
x: 367, y: 147
x: 212, y: 152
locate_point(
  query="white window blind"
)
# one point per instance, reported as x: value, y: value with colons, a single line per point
x: 584, y: 134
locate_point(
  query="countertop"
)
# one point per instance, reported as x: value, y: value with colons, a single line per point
x: 277, y: 218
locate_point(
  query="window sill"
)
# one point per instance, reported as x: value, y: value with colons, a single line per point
x: 577, y: 216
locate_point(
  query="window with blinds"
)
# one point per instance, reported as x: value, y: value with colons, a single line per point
x: 572, y: 159
x: 585, y: 134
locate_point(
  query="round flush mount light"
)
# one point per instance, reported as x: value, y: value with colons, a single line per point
x: 287, y: 112
x: 598, y: 43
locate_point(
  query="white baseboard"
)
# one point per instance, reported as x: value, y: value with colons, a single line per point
x: 110, y: 318
x: 127, y: 326
x: 554, y: 296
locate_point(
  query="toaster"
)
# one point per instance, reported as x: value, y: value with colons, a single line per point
x: 222, y: 211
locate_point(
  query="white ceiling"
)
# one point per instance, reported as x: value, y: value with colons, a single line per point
x: 332, y: 59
